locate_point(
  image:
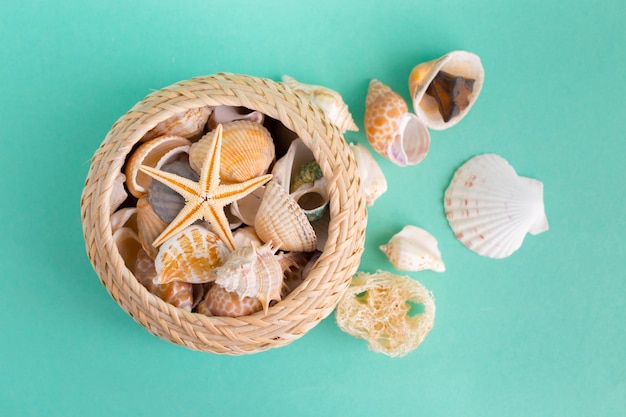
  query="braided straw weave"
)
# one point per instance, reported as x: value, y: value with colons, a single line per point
x: 305, y: 306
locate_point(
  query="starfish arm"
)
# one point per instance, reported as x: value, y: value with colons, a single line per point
x: 227, y: 193
x: 219, y: 223
x: 183, y: 186
x: 210, y: 171
x: 189, y: 214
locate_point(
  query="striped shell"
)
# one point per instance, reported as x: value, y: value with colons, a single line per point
x: 281, y: 221
x: 491, y: 209
x: 190, y: 256
x: 247, y: 151
x: 392, y: 131
x: 149, y: 226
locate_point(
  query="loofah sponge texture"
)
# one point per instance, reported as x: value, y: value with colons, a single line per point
x: 378, y: 308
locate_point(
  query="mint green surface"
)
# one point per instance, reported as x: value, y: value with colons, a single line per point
x: 542, y: 333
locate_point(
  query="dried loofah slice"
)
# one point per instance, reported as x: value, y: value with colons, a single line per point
x: 377, y: 308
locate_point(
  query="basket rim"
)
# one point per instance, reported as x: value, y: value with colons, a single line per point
x: 296, y: 113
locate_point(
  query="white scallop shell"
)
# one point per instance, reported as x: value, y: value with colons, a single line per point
x: 491, y: 209
x: 414, y: 249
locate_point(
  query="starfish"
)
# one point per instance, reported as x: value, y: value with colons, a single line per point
x: 205, y: 199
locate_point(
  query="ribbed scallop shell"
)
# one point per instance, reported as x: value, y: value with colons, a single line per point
x: 252, y: 272
x: 373, y: 181
x: 154, y: 153
x: 187, y: 124
x: 281, y: 220
x: 392, y: 131
x: 456, y: 63
x: 491, y: 209
x: 247, y: 151
x: 328, y: 100
x: 226, y: 114
x: 149, y: 226
x: 190, y: 256
x: 413, y: 249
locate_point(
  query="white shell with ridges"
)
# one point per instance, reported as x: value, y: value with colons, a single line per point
x: 491, y: 209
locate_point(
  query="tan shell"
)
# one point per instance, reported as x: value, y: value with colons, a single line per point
x: 190, y: 256
x: 377, y: 308
x: 328, y: 100
x: 246, y: 208
x: 149, y: 226
x: 392, y: 131
x: 252, y: 272
x: 373, y: 181
x: 247, y: 151
x: 246, y: 236
x: 188, y: 124
x: 118, y: 194
x: 126, y: 217
x: 177, y: 293
x: 456, y: 63
x: 281, y: 221
x: 226, y: 114
x: 413, y: 249
x: 154, y: 153
x: 128, y: 245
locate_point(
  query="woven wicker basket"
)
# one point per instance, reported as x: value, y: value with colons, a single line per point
x: 304, y: 307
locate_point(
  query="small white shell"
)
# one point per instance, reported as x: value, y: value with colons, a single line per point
x: 413, y: 249
x: 491, y: 209
x: 246, y: 208
x: 328, y: 100
x: 118, y: 194
x: 126, y: 217
x: 227, y: 114
x: 373, y: 181
x: 187, y: 124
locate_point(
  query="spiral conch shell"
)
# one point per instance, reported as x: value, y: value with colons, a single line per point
x: 392, y: 131
x: 247, y: 151
x: 328, y: 100
x: 252, y: 272
x: 445, y: 89
x: 491, y: 209
x: 377, y: 308
x: 414, y: 249
x: 190, y: 256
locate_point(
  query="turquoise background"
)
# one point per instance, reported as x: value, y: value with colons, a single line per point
x: 541, y: 333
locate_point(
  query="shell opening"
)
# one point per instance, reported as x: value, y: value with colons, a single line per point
x: 411, y: 144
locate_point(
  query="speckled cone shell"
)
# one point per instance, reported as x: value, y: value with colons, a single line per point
x: 392, y: 131
x: 491, y: 209
x: 376, y: 308
x: 177, y: 293
x: 413, y: 249
x: 252, y: 272
x: 154, y: 153
x: 459, y: 63
x: 247, y: 151
x: 188, y: 124
x: 190, y: 256
x: 328, y: 100
x: 149, y: 226
x: 281, y: 221
x: 219, y: 302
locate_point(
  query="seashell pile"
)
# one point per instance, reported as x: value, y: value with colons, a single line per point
x: 217, y: 214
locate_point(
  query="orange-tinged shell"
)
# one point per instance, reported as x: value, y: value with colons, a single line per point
x: 247, y: 151
x: 154, y: 153
x: 188, y: 124
x: 281, y: 221
x: 219, y: 302
x: 177, y: 293
x: 252, y: 272
x: 226, y: 114
x: 149, y: 226
x: 392, y: 131
x: 128, y: 245
x: 118, y: 193
x: 190, y: 256
x: 457, y: 63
